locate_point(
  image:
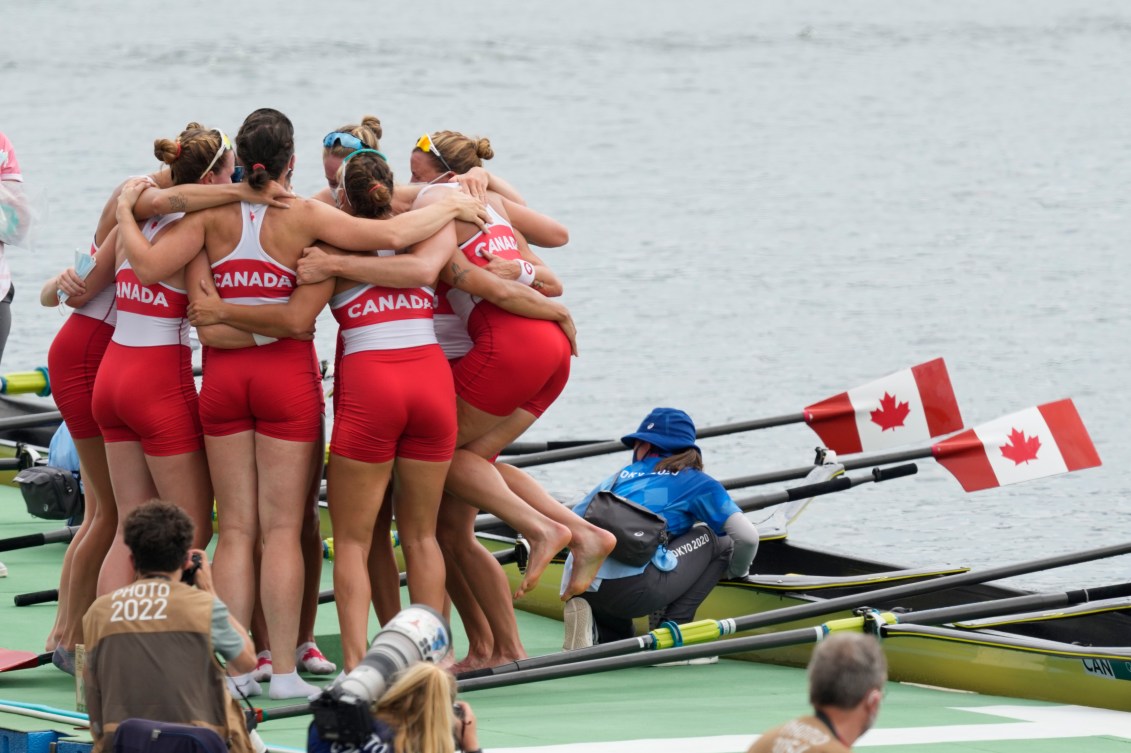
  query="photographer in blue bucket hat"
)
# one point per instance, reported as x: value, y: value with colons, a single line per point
x: 707, y: 537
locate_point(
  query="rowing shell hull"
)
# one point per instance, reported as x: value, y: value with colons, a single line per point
x: 1036, y: 660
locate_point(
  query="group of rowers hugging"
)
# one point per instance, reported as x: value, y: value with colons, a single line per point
x: 450, y: 346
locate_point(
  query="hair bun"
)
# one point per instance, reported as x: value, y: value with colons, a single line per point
x: 483, y: 149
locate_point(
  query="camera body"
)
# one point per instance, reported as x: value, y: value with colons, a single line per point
x: 342, y: 711
x: 188, y: 575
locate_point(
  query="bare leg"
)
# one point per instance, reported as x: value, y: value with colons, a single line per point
x: 384, y: 577
x: 231, y: 459
x: 99, y: 524
x: 590, y: 545
x: 480, y: 642
x: 486, y: 578
x: 311, y: 554
x: 474, y: 479
x: 283, y: 471
x: 418, y: 488
x: 133, y: 487
x: 355, y: 491
x: 184, y: 481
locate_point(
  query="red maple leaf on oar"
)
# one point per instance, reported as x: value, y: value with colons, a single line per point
x: 1019, y: 449
x: 891, y: 414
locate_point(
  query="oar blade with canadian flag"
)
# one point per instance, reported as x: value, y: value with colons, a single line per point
x: 909, y: 406
x: 1041, y: 441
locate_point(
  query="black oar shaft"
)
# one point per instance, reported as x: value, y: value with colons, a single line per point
x: 815, y: 609
x: 887, y: 595
x: 840, y: 483
x: 592, y: 666
x: 38, y: 539
x: 850, y: 463
x: 1014, y: 605
x: 604, y: 448
x: 36, y: 597
x: 796, y: 637
x: 30, y: 420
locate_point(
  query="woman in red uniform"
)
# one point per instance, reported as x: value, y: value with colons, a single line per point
x: 144, y: 399
x: 74, y: 359
x: 395, y: 406
x: 491, y: 418
x: 261, y: 406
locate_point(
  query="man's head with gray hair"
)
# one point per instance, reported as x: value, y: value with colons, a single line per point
x: 844, y: 669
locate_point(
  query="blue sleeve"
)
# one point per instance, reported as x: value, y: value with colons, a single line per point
x: 581, y: 506
x: 713, y: 505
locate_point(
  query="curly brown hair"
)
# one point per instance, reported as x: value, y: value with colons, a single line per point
x: 159, y: 535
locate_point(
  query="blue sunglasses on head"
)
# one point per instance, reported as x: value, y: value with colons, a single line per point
x: 348, y: 140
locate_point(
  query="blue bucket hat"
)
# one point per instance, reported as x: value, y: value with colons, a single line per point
x: 669, y: 429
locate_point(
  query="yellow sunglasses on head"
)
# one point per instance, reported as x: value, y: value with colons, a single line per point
x: 225, y: 145
x: 424, y: 144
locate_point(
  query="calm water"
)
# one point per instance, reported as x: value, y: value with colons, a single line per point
x: 769, y: 203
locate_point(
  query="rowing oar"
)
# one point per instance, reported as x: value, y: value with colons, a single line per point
x: 29, y: 420
x: 872, y: 621
x: 36, y: 597
x: 1040, y: 441
x: 906, y: 407
x: 705, y: 630
x: 762, y: 501
x: 62, y: 535
x: 504, y: 556
x: 12, y: 660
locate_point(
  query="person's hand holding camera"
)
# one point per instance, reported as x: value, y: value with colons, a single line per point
x: 199, y: 573
x: 467, y: 731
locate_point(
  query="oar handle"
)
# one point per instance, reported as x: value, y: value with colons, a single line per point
x: 34, y: 419
x: 36, y: 597
x: 604, y: 448
x: 850, y: 463
x: 840, y: 483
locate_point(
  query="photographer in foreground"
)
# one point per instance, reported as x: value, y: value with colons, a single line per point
x: 418, y: 714
x: 151, y: 645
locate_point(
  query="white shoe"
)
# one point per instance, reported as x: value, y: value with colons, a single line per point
x: 579, y: 629
x: 3, y: 570
x: 310, y: 659
x: 262, y: 671
x: 243, y: 687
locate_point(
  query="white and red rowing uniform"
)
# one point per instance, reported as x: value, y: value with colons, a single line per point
x: 516, y: 362
x: 393, y: 390
x: 74, y: 357
x: 273, y: 389
x: 144, y: 391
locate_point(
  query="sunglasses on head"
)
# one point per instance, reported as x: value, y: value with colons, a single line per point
x: 337, y: 138
x: 225, y: 145
x: 424, y: 144
x: 237, y: 174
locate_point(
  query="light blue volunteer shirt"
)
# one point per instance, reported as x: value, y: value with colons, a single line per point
x: 683, y: 498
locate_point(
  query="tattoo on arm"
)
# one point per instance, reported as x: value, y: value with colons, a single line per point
x: 458, y: 273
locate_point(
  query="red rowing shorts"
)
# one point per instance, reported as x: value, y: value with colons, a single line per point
x: 516, y: 362
x: 395, y: 403
x: 148, y: 395
x: 72, y: 363
x: 274, y: 390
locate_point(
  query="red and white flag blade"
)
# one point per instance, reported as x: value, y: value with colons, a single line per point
x: 908, y: 406
x: 1036, y: 442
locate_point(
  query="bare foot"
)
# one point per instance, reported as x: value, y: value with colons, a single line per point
x: 590, y: 546
x: 552, y: 539
x: 469, y: 662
